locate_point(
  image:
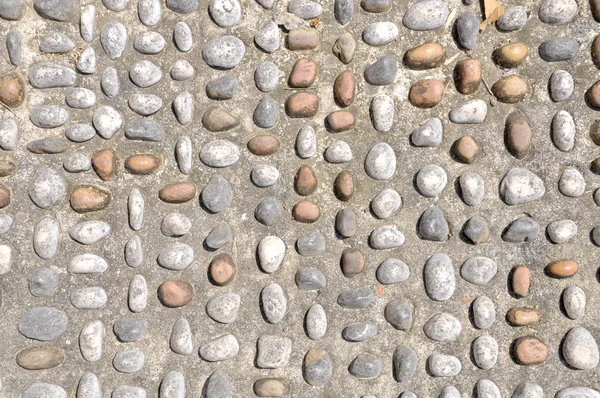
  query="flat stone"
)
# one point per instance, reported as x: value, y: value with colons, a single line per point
x: 87, y: 263
x: 113, y: 38
x: 273, y: 351
x: 558, y: 49
x: 484, y: 312
x: 268, y: 211
x: 577, y: 392
x: 467, y: 30
x: 181, y: 337
x: 442, y: 327
x: 305, y: 9
x: 383, y: 71
x: 144, y: 130
x: 222, y: 88
x: 376, y: 6
x: 310, y: 279
x: 431, y: 180
x: 129, y: 330
x: 145, y: 104
x: 485, y: 352
x: 471, y: 112
x: 38, y: 389
x: 312, y: 244
x: 338, y: 152
x: 86, y: 63
x: 130, y: 361
x: 48, y: 116
x: 220, y: 153
x: 514, y: 18
x: 43, y: 282
x: 392, y: 271
x: 263, y: 175
x: 317, y: 367
x: 439, y: 277
x: 426, y: 15
x: 87, y: 198
x: 224, y: 308
x: 43, y: 323
x: 266, y: 113
x: 344, y: 89
x: 441, y: 365
x: 90, y: 232
x: 520, y: 186
x: 107, y: 121
x: 175, y: 224
x: 138, y: 294
x: 80, y: 98
x: 386, y: 237
x: 89, y: 298
x: 56, y: 42
x: 183, y: 154
x: 220, y: 349
x: 219, y: 236
x: 345, y: 223
x: 87, y: 22
x: 365, y: 366
x: 272, y: 387
x: 225, y: 52
x: 266, y: 76
x: 355, y: 299
x: 182, y: 7
x: 343, y: 11
x: 46, y: 237
x: 563, y: 131
x: 9, y: 134
x: 382, y: 113
x: 302, y: 104
x: 522, y: 316
x: 115, y: 5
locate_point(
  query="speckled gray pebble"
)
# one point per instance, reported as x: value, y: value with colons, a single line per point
x: 380, y: 163
x: 220, y: 153
x: 113, y: 38
x: 47, y: 188
x: 558, y: 49
x: 150, y: 12
x: 574, y: 302
x: 264, y: 175
x: 182, y: 36
x: 522, y: 229
x: 144, y: 130
x: 14, y: 43
x: 268, y: 211
x: 57, y: 10
x: 343, y: 11
x: 365, y: 366
x: 6, y: 222
x: 563, y: 131
x: 266, y: 76
x: 225, y: 52
x: 472, y: 188
x: 431, y: 180
x: 273, y: 351
x: 433, y: 226
x: 382, y: 112
x: 145, y: 104
x: 219, y: 236
x: 520, y: 185
x: 217, y: 385
x: 124, y: 391
x: 129, y: 361
x: 487, y: 388
x: 310, y: 279
x: 43, y: 282
x: 176, y: 257
x: 43, y: 323
x: 110, y: 82
x: 134, y: 253
x: 48, y: 116
x: 443, y: 365
x: 484, y: 312
x: 311, y: 244
x: 404, y: 362
x: 268, y: 37
x: 345, y: 223
x: 561, y: 85
x: 380, y: 33
x: 45, y: 390
x: 12, y: 10
x: 338, y: 152
x: 359, y: 332
x: 383, y: 71
x: 514, y: 18
x: 90, y: 232
x: 266, y: 113
x: 149, y: 43
x: 56, y: 42
x: 145, y: 74
x: 50, y: 75
x: 305, y: 9
x: 273, y: 302
x: 183, y: 6
x: 89, y: 386
x: 429, y: 134
x: 107, y: 121
x: 439, y: 278
x: 355, y: 299
x: 46, y: 237
x: 220, y: 349
x: 175, y: 224
x: 426, y: 15
x: 485, y: 352
x: 392, y: 271
x: 224, y: 308
x: 386, y: 237
x: 306, y: 142
x: 386, y: 203
x: 80, y: 98
x: 86, y: 63
x: 467, y: 29
x: 181, y: 337
x: 471, y: 112
x: 529, y: 390
x: 316, y: 322
x: 442, y: 327
x: 557, y: 12
x: 225, y: 13
x: 172, y: 385
x: 89, y: 298
x: 571, y: 182
x: 129, y: 330
x: 561, y: 231
x: 479, y: 270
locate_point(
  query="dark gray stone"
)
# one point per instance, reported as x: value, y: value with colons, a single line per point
x: 359, y: 332
x: 467, y: 29
x: 43, y: 323
x: 268, y: 211
x: 404, y: 362
x: 476, y: 230
x: 222, y: 88
x: 521, y: 230
x: 558, y: 49
x: 217, y: 194
x: 399, y: 314
x: 144, y: 130
x: 343, y: 10
x: 311, y: 244
x: 266, y: 113
x: 433, y: 225
x: 383, y: 71
x: 57, y: 10
x: 129, y: 330
x: 365, y: 366
x: 43, y: 282
x: 310, y: 279
x: 219, y: 236
x: 13, y: 45
x: 355, y: 299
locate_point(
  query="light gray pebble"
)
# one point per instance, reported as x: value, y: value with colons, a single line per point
x: 134, y: 252
x: 46, y: 237
x: 138, y: 294
x: 217, y: 385
x: 145, y: 104
x: 344, y: 49
x: 89, y: 386
x: 217, y: 194
x: 12, y: 10
x: 266, y: 4
x: 558, y: 49
x: 386, y: 203
x: 48, y: 116
x: 182, y: 36
x: 268, y: 211
x: 479, y: 270
x: 520, y: 185
x: 523, y: 229
x: 87, y: 22
x: 219, y: 236
x: 90, y: 232
x: 220, y: 349
x: 305, y: 9
x: 43, y: 282
x: 145, y: 74
x: 224, y: 308
x: 225, y: 52
x: 433, y: 225
x: 441, y: 365
x: 150, y: 12
x: 408, y: 394
x: 222, y: 88
x: 6, y: 222
x: 183, y: 6
x: 175, y: 224
x: 338, y: 152
x: 183, y: 154
x: 144, y: 130
x: 426, y: 15
x: 563, y: 131
x: 113, y: 38
x: 365, y: 366
x: 266, y: 113
x: 386, y: 237
x: 484, y: 312
x: 220, y: 153
x: 273, y: 352
x: 376, y: 6
x: 380, y: 33
x: 268, y: 37
x: 14, y: 43
x: 343, y: 11
x: 317, y: 367
x: 270, y: 252
x: 561, y: 231
x: 38, y: 389
x: 176, y: 257
x: 571, y: 182
x: 80, y: 132
x: 135, y: 209
x: 404, y: 363
x: 557, y: 12
x: 306, y: 142
x: 263, y: 175
x: 485, y: 352
x: 182, y: 70
x: 273, y: 303
x: 450, y: 392
x: 47, y: 188
x: 467, y: 29
x: 124, y: 391
x: 476, y: 230
x: 50, y: 75
x: 431, y: 180
x: 115, y: 5
x: 596, y: 196
x: 429, y: 134
x: 225, y: 13
x: 86, y: 63
x: 311, y: 244
x: 266, y: 76
x: 89, y: 298
x: 577, y: 392
x: 514, y: 18
x: 380, y: 163
x: 56, y: 42
x: 107, y: 121
x: 561, y: 85
x: 574, y: 302
x: 487, y: 388
x: 110, y: 82
x: 356, y: 299
x: 528, y: 390
x: 173, y: 384
x: 129, y: 330
x: 181, y: 337
x: 382, y: 112
x: 149, y: 43
x: 183, y: 107
x: 87, y: 263
x: 316, y: 322
x: 310, y: 279
x: 359, y: 332
x: 80, y: 98
x: 471, y: 112
x: 442, y: 327
x: 472, y: 188
x: 43, y: 323
x: 439, y: 277
x: 129, y: 361
x: 383, y: 71
x: 6, y: 259
x: 345, y: 223
x: 91, y: 340
x: 392, y: 271
x: 57, y: 10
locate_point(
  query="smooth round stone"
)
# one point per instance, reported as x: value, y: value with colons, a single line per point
x: 442, y: 327
x: 86, y: 63
x: 484, y: 312
x: 386, y: 203
x: 268, y: 37
x: 225, y: 52
x: 571, y: 183
x: 217, y: 194
x: 266, y: 76
x: 310, y: 279
x: 115, y: 5
x: 345, y: 223
x: 175, y: 224
x: 57, y: 10
x: 485, y: 352
x: 80, y: 98
x: 439, y: 277
x: 87, y: 263
x: 273, y: 303
x: 270, y: 252
x: 80, y: 132
x: 431, y: 180
x: 383, y: 71
x: 399, y: 314
x: 316, y: 322
x: 219, y: 236
x: 224, y: 308
x: 266, y: 113
x: 12, y: 10
x: 220, y: 349
x: 150, y: 12
x: 43, y: 323
x: 272, y: 387
x: 113, y: 38
x: 317, y: 368
x: 124, y: 391
x: 268, y: 211
x: 145, y: 104
x: 382, y: 113
x: 380, y: 163
x: 110, y: 82
x: 56, y: 42
x: 561, y: 231
x: 404, y: 363
x: 365, y: 366
x: 426, y: 15
x: 472, y: 188
x: 514, y: 18
x: 338, y: 152
x: 596, y: 235
x: 521, y: 230
x: 6, y: 222
x: 520, y: 186
x: 392, y: 271
x: 9, y: 134
x: 376, y: 6
x: 380, y: 33
x: 129, y: 330
x: 264, y: 175
x: 359, y: 332
x: 355, y: 299
x: 176, y: 257
x: 312, y: 244
x: 45, y: 390
x: 225, y: 13
x: 558, y: 49
x: 273, y: 351
x: 467, y: 30
x: 441, y: 365
x: 476, y: 230
x: 222, y: 88
x: 471, y: 112
x: 107, y: 121
x: 182, y: 7
x: 557, y: 12
x: 220, y: 153
x: 451, y: 392
x: 574, y: 302
x: 217, y: 385
x: 46, y: 237
x: 305, y: 9
x: 479, y: 270
x: 89, y: 386
x: 49, y: 116
x: 138, y: 294
x: 528, y: 390
x: 129, y: 361
x: 429, y: 134
x: 579, y: 349
x: 145, y: 74
x: 47, y: 188
x: 182, y: 36
x: 385, y: 237
x: 181, y: 337
x: 487, y: 388
x: 90, y: 232
x: 433, y: 225
x: 89, y: 298
x: 561, y: 85
x: 50, y: 75
x: 43, y: 282
x: 577, y: 392
x: 183, y: 107
x: 173, y: 384
x: 563, y: 131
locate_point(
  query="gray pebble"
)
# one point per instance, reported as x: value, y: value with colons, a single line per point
x: 268, y: 37
x: 383, y: 71
x: 404, y: 363
x: 561, y: 231
x: 266, y: 76
x: 183, y: 6
x: 150, y: 12
x: 219, y: 236
x: 380, y: 163
x: 89, y: 386
x: 380, y: 33
x: 316, y: 322
x: 57, y: 10
x: 343, y: 11
x: 6, y: 259
x: 107, y: 121
x: 438, y: 276
x: 87, y: 263
x: 382, y: 112
x: 110, y: 82
x: 338, y: 152
x: 514, y: 18
x: 56, y: 42
x: 80, y: 132
x: 145, y: 74
x: 485, y: 352
x: 386, y: 203
x: 181, y: 337
x: 574, y: 301
x: 12, y: 10
x: 430, y: 134
x: 376, y: 6
x: 115, y: 5
x: 149, y: 43
x: 310, y: 279
x: 365, y: 366
x: 345, y: 47
x: 596, y: 196
x: 175, y: 224
x: 182, y: 36
x: 43, y: 282
x: 134, y: 252
x: 273, y: 303
x: 487, y: 388
x: 270, y: 253
x: 306, y: 142
x: 471, y: 112
x: 89, y: 298
x: 80, y: 98
x: 472, y: 188
x: 172, y: 385
x: 577, y: 392
x: 144, y: 130
x: 90, y: 232
x: 479, y: 270
x: 176, y: 257
x: 48, y: 146
x: 359, y: 332
x: 87, y: 22
x: 561, y: 85
x: 224, y: 308
x: 442, y: 327
x: 441, y: 365
x: 264, y: 175
x: 6, y: 222
x: 305, y: 9
x: 408, y: 394
x: 563, y: 131
x: 46, y: 237
x: 47, y: 188
x: 50, y: 75
x: 273, y: 352
x: 345, y: 223
x: 467, y: 30
x: 124, y: 391
x: 426, y: 15
x: 225, y: 52
x: 48, y: 116
x: 86, y: 63
x: 484, y: 312
x: 433, y: 225
x: 138, y: 294
x: 43, y: 323
x: 520, y: 186
x: 268, y: 211
x: 386, y: 237
x: 571, y: 183
x: 14, y: 46
x: 182, y: 70
x: 266, y: 113
x: 431, y: 180
x: 452, y: 392
x: 523, y: 229
x: 392, y: 271
x: 317, y: 368
x: 225, y: 13
x: 129, y: 361
x: 596, y: 235
x: 135, y: 208
x: 183, y: 107
x: 220, y: 153
x: 529, y: 390
x: 222, y: 88
x: 145, y: 104
x: 557, y: 12
x: 129, y: 330
x: 91, y: 340
x: 113, y: 38
x: 217, y: 385
x: 312, y: 244
x: 476, y: 230
x: 183, y: 154
x: 558, y: 49
x: 45, y: 390
x: 356, y: 299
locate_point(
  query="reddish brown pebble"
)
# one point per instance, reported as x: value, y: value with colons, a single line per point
x: 595, y: 7
x: 306, y: 212
x: 529, y: 350
x: 518, y: 134
x: 87, y: 198
x: 175, y: 293
x: 305, y: 181
x: 426, y: 93
x: 7, y: 166
x: 510, y: 55
x: 595, y: 131
x: 425, y: 56
x: 343, y: 186
x: 263, y: 145
x: 353, y: 262
x: 179, y: 192
x: 302, y: 39
x: 303, y: 73
x: 12, y: 90
x: 343, y: 88
x: 467, y: 76
x: 520, y: 281
x: 466, y: 149
x: 4, y: 196
x: 596, y: 51
x: 511, y: 89
x: 302, y: 104
x: 339, y: 121
x: 592, y: 96
x: 522, y: 316
x: 143, y: 164
x: 105, y: 164
x: 222, y: 269
x: 562, y: 269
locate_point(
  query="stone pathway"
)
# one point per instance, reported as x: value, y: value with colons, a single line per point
x: 304, y: 199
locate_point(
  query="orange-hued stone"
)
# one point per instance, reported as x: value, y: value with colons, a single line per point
x: 562, y: 269
x: 263, y: 145
x: 179, y: 192
x: 222, y: 269
x: 142, y: 164
x: 339, y: 121
x: 466, y: 149
x: 343, y: 186
x: 105, y: 164
x: 467, y: 76
x: 175, y: 293
x: 522, y: 316
x: 302, y: 104
x: 306, y: 212
x: 12, y: 90
x: 303, y: 73
x: 520, y: 281
x: 426, y: 93
x: 511, y: 89
x: 344, y: 87
x: 529, y: 350
x: 87, y: 198
x: 425, y: 56
x: 305, y: 181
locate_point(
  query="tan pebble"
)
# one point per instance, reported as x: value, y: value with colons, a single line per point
x: 4, y: 196
x: 142, y: 164
x: 592, y: 96
x: 7, y: 166
x: 529, y: 350
x: 339, y: 121
x: 175, y: 293
x: 12, y: 90
x: 222, y: 269
x: 353, y: 262
x: 595, y: 131
x: 302, y: 104
x: 273, y: 387
x: 510, y: 55
x: 179, y: 192
x: 466, y: 149
x: 426, y: 93
x: 105, y: 164
x: 511, y: 89
x: 344, y: 48
x: 87, y: 198
x: 467, y: 76
x: 306, y: 212
x: 302, y: 39
x: 40, y: 358
x: 343, y: 88
x: 343, y: 186
x: 263, y: 145
x: 216, y: 119
x: 305, y: 181
x: 303, y: 73
x: 518, y: 134
x: 425, y: 56
x: 522, y: 316
x: 520, y: 281
x: 562, y: 268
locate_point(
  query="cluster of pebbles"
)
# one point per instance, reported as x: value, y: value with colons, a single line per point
x: 50, y: 186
